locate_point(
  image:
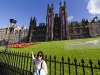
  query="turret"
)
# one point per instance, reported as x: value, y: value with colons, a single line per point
x: 64, y: 21
x: 48, y: 5
x: 52, y: 5
x: 31, y: 19
x: 34, y: 19
x: 49, y: 22
x: 60, y: 3
x: 64, y: 3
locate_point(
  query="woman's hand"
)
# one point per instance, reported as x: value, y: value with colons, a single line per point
x: 32, y: 53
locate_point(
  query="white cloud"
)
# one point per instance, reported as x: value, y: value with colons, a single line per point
x: 94, y: 7
x: 70, y: 18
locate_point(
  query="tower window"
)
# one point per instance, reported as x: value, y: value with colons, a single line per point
x: 56, y: 33
x: 71, y: 31
x: 78, y: 31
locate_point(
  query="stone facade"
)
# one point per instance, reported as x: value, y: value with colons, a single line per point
x: 36, y: 33
x: 58, y: 27
x: 18, y: 35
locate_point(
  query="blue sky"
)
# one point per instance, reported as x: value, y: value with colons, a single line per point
x: 22, y: 10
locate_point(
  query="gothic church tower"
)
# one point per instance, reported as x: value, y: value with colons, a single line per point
x: 64, y: 21
x: 49, y: 22
x: 31, y: 28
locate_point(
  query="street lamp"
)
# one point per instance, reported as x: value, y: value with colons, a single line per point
x: 11, y: 28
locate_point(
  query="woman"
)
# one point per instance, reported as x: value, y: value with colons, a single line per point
x: 40, y: 67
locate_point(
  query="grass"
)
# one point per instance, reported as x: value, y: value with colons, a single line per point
x: 66, y: 48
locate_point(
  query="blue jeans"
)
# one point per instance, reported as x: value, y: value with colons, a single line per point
x: 40, y: 72
x: 37, y: 72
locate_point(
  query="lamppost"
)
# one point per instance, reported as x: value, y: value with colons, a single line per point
x: 11, y: 29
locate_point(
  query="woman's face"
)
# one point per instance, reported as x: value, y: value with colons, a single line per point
x: 39, y: 56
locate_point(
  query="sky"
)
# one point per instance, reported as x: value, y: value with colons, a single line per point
x: 22, y: 10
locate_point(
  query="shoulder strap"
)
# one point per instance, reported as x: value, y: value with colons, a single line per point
x: 41, y: 64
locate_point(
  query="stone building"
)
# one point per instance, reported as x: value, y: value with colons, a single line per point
x: 53, y: 22
x: 36, y: 33
x: 18, y: 35
x: 84, y: 29
x: 56, y: 28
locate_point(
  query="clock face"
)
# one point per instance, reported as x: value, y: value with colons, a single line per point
x: 56, y: 26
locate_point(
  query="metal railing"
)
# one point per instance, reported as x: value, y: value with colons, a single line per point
x: 17, y: 63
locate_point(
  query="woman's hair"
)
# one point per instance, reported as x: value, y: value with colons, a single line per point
x: 40, y: 52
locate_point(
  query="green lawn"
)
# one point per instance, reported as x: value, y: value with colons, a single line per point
x: 66, y: 48
x: 78, y: 48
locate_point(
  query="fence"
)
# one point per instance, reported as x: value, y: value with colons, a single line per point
x: 16, y: 63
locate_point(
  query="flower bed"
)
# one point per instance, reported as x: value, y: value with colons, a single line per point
x: 22, y: 45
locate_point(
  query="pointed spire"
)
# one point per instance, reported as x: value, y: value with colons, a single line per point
x: 48, y: 5
x: 52, y: 5
x: 34, y: 18
x: 31, y: 18
x: 64, y: 3
x: 60, y: 3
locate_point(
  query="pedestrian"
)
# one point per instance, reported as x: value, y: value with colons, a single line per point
x: 40, y: 67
